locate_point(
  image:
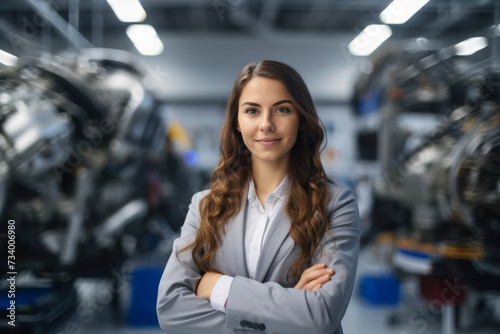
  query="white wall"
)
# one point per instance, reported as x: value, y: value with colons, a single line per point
x: 340, y: 151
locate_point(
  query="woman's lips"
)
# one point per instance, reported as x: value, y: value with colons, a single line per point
x: 268, y: 141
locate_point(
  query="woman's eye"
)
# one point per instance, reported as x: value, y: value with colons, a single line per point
x: 283, y: 110
x: 251, y: 111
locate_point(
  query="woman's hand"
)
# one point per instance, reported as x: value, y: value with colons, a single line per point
x: 206, y: 284
x: 314, y: 277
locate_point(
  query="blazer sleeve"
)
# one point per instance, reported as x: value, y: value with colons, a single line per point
x: 293, y: 311
x: 179, y: 310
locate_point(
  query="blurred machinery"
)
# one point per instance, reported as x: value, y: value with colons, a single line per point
x: 81, y: 146
x: 436, y: 125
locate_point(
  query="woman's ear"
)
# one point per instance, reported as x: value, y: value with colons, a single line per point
x: 238, y: 126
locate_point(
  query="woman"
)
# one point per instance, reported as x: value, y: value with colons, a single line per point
x: 272, y: 246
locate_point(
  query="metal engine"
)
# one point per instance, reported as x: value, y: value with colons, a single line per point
x: 79, y: 139
x: 438, y: 149
x: 454, y: 174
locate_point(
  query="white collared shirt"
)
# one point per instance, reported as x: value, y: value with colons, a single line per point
x: 258, y: 221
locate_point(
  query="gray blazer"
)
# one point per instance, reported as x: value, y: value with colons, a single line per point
x: 267, y: 303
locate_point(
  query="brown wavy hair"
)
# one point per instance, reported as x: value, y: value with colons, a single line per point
x: 307, y: 201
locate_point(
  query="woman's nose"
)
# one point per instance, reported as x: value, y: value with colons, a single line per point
x: 266, y: 122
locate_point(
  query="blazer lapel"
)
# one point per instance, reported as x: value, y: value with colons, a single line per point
x: 277, y: 234
x: 230, y: 256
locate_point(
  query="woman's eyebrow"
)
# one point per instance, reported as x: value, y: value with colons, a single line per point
x: 281, y: 102
x: 253, y: 104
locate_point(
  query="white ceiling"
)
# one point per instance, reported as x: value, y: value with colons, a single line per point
x: 205, y: 50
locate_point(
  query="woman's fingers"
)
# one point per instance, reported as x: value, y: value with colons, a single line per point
x: 318, y: 281
x: 315, y: 267
x: 311, y: 277
x: 315, y: 274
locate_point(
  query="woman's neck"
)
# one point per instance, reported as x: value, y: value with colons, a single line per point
x: 267, y: 177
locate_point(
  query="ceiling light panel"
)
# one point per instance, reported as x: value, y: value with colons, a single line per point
x: 145, y: 39
x: 128, y: 10
x: 400, y: 11
x: 369, y: 39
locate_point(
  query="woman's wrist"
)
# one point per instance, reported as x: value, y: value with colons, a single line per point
x: 206, y: 284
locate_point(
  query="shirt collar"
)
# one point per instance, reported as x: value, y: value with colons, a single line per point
x: 281, y: 190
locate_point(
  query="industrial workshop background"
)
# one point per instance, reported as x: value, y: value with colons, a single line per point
x: 110, y: 113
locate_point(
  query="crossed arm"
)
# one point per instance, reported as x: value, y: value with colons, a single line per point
x: 311, y: 280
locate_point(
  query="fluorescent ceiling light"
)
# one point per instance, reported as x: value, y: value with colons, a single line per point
x: 145, y: 39
x: 7, y: 59
x: 369, y: 39
x: 470, y: 46
x: 128, y: 10
x: 400, y: 11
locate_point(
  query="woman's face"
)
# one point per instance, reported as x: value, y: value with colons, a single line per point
x: 267, y: 120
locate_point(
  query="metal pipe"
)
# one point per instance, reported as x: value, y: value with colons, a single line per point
x: 75, y: 225
x: 73, y: 18
x: 46, y: 38
x: 495, y: 47
x: 131, y: 212
x: 67, y: 31
x: 448, y: 319
x: 97, y: 23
